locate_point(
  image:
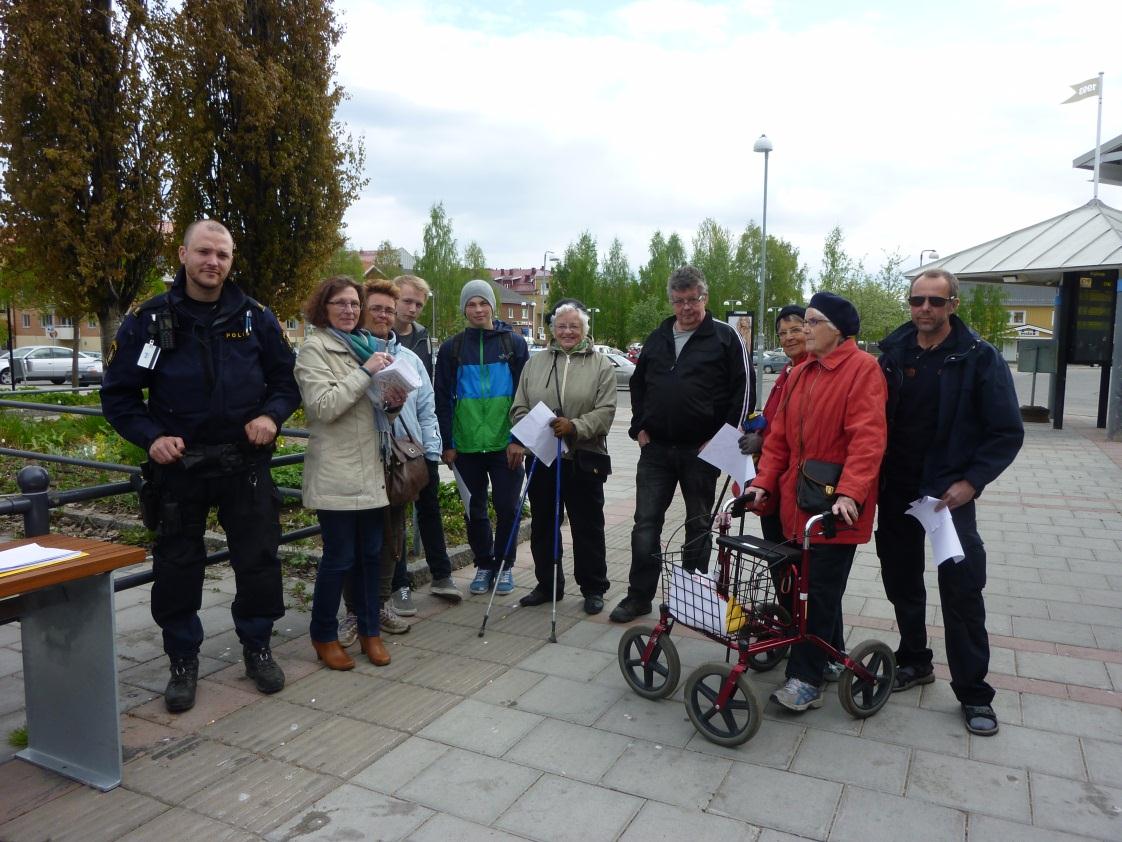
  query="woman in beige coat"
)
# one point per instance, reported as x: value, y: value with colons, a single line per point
x: 579, y: 385
x: 344, y: 479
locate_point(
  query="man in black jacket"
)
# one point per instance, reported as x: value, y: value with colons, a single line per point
x: 953, y: 427
x: 693, y: 376
x: 218, y: 370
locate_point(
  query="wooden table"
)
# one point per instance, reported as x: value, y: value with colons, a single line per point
x: 67, y: 628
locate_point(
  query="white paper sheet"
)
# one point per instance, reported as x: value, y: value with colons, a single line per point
x: 694, y: 602
x: 723, y: 451
x: 536, y: 435
x: 462, y: 487
x: 399, y: 374
x: 939, y: 526
x: 30, y: 555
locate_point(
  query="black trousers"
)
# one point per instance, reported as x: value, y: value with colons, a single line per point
x: 582, y: 497
x: 829, y: 571
x: 900, y: 543
x: 660, y: 471
x: 249, y: 511
x: 432, y: 534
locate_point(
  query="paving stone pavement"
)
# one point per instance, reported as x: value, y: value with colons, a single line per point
x: 513, y: 737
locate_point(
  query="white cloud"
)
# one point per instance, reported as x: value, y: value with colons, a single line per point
x: 910, y: 130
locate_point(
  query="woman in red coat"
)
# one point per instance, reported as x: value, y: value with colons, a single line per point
x: 832, y: 411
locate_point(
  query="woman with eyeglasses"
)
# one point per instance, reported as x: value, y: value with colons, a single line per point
x: 579, y: 385
x: 344, y: 479
x: 832, y: 412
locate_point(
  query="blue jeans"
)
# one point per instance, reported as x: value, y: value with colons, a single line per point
x: 661, y: 469
x: 352, y: 542
x: 477, y: 469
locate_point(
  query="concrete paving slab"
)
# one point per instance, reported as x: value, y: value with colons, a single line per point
x: 442, y: 828
x: 574, y: 701
x: 183, y: 767
x: 666, y: 774
x: 479, y: 727
x: 568, y: 750
x: 27, y: 787
x: 178, y: 823
x: 868, y: 816
x: 1104, y: 761
x: 1064, y: 716
x: 989, y: 829
x: 330, y: 690
x: 453, y: 674
x: 338, y: 746
x: 261, y: 795
x: 264, y: 727
x: 780, y: 800
x: 855, y: 760
x: 351, y: 812
x: 567, y: 662
x: 1063, y: 669
x: 990, y: 789
x: 662, y: 719
x: 508, y: 687
x: 1076, y: 806
x: 1032, y: 749
x: 773, y: 745
x: 662, y: 821
x: 472, y: 786
x: 918, y: 728
x: 84, y: 815
x: 402, y: 707
x: 400, y: 765
x: 212, y: 702
x: 563, y: 810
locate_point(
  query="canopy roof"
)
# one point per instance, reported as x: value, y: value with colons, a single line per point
x: 1089, y: 237
x: 1110, y: 165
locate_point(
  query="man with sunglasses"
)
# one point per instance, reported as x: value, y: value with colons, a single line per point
x: 693, y: 376
x: 953, y: 426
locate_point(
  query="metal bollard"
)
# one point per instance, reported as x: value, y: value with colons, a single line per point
x: 33, y: 481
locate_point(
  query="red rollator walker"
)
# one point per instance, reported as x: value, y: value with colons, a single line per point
x: 743, y: 609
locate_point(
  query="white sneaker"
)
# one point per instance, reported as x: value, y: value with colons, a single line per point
x: 797, y: 695
x: 348, y: 630
x: 391, y: 623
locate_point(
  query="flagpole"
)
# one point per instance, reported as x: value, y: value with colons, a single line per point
x: 1098, y: 136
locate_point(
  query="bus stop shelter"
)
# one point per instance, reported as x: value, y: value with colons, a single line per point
x: 1079, y: 253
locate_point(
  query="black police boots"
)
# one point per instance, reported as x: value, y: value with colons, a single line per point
x: 265, y: 672
x: 179, y: 695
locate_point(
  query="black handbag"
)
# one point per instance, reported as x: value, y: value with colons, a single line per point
x: 591, y: 462
x: 817, y: 487
x: 406, y: 471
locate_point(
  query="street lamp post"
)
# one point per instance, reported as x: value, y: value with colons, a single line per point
x: 732, y: 303
x: 546, y: 258
x: 934, y: 255
x: 592, y: 311
x: 762, y: 144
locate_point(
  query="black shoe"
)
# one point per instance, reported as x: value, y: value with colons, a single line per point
x: 539, y: 596
x: 593, y: 604
x: 909, y: 676
x: 265, y: 672
x: 179, y: 695
x: 628, y: 609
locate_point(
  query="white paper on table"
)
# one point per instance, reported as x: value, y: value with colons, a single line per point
x: 694, y: 602
x: 399, y: 374
x: 462, y: 487
x: 723, y: 451
x: 536, y: 435
x: 29, y: 555
x: 939, y: 526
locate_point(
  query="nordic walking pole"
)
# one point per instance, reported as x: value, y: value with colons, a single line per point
x: 509, y: 544
x: 556, y: 544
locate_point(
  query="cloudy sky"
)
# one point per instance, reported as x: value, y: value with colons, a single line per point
x: 911, y: 125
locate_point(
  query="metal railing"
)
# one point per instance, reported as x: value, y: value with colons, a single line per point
x: 35, y: 499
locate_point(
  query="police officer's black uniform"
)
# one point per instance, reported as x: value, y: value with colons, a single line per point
x: 228, y: 363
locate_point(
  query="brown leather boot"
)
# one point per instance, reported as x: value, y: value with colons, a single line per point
x: 375, y: 650
x: 332, y: 654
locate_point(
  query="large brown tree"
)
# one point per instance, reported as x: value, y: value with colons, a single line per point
x: 84, y: 169
x: 255, y: 143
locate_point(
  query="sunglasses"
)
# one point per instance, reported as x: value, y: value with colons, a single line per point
x: 933, y: 300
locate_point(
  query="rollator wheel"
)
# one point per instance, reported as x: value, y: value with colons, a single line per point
x: 737, y: 722
x: 775, y: 615
x: 862, y: 699
x: 657, y: 678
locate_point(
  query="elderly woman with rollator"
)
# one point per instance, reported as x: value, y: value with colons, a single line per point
x: 579, y: 385
x: 829, y: 431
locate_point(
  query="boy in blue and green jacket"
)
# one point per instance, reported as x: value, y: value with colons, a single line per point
x: 477, y: 371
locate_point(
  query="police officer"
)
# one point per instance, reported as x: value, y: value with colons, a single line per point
x: 218, y: 370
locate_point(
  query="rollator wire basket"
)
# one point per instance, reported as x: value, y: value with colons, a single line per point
x: 737, y: 599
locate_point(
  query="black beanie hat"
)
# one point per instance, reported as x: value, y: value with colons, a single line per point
x: 788, y: 311
x: 838, y: 310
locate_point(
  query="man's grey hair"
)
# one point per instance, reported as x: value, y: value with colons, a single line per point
x: 686, y: 278
x: 952, y: 281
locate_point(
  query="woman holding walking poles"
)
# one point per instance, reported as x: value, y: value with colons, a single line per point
x: 579, y: 386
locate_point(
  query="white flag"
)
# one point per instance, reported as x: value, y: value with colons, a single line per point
x: 1083, y: 90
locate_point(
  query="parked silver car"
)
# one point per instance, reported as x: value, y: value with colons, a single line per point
x: 624, y: 369
x: 49, y: 362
